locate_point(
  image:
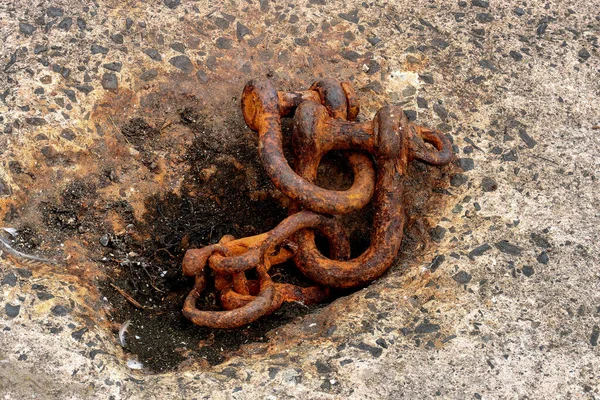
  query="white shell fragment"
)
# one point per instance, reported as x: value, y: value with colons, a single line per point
x: 122, y: 331
x: 134, y: 364
x: 11, y: 231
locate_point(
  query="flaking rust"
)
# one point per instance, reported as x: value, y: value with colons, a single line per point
x: 378, y: 152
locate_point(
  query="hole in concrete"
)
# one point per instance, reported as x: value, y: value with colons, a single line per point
x: 200, y: 179
x: 224, y: 191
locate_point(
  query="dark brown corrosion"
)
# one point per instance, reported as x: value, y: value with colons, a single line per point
x: 323, y: 121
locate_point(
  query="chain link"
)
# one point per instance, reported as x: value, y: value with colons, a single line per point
x: 378, y: 152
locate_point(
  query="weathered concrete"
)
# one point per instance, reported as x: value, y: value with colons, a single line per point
x: 513, y: 309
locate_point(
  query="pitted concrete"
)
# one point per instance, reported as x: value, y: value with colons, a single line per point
x: 504, y: 304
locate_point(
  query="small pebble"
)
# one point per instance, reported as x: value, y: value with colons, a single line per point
x: 97, y: 49
x: 584, y: 54
x: 54, y: 12
x: 488, y: 184
x: 516, y: 55
x: 426, y: 327
x: 105, y: 240
x: 457, y: 180
x: 373, y: 40
x: 527, y: 271
x: 510, y: 156
x: 35, y: 121
x: 178, y: 47
x: 109, y: 81
x: 375, y: 351
x: 26, y: 29
x: 595, y: 335
x: 172, y: 4
x: 462, y: 277
x: 350, y: 55
x: 223, y: 43
x: 426, y: 78
x: 202, y: 77
x: 149, y: 75
x: 10, y: 279
x: 440, y: 111
x: 117, y: 38
x: 67, y: 134
x: 222, y: 23
x: 12, y: 311
x: 65, y: 24
x: 351, y: 16
x: 153, y: 54
x: 113, y: 66
x: 540, y: 241
x: 479, y: 250
x: 183, y: 63
x: 438, y: 233
x: 528, y: 140
x: 303, y: 41
x: 411, y: 115
x: 508, y: 248
x: 242, y: 30
x: 541, y: 29
x: 39, y: 49
x: 484, y: 17
x: 467, y: 164
x: 480, y: 3
x: 60, y: 311
x: 81, y: 23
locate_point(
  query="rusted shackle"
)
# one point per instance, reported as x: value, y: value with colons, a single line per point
x: 263, y: 106
x: 323, y: 121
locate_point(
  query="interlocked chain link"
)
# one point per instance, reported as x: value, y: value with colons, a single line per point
x: 378, y: 152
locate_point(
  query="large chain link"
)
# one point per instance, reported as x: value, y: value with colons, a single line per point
x: 324, y: 120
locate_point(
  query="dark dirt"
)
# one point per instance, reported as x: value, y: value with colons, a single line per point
x: 71, y: 209
x: 210, y: 206
x: 224, y: 192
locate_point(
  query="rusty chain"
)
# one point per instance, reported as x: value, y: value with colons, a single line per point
x: 324, y: 120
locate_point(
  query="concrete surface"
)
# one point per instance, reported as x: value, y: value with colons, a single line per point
x: 511, y: 311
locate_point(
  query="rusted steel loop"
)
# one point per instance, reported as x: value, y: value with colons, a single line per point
x: 288, y: 101
x: 339, y: 98
x: 317, y: 133
x: 389, y: 143
x: 264, y: 303
x: 231, y: 300
x: 420, y: 135
x: 241, y: 284
x: 256, y: 251
x: 195, y: 260
x: 305, y: 295
x: 333, y: 97
x: 353, y: 104
x: 285, y: 292
x: 260, y: 105
x: 328, y: 226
